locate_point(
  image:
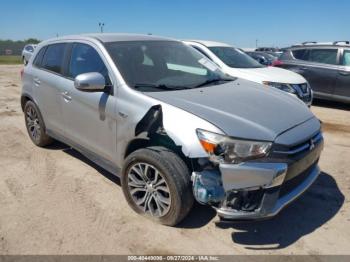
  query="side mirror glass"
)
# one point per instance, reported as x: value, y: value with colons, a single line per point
x: 90, y: 82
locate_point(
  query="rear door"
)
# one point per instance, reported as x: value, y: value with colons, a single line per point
x: 343, y: 79
x: 47, y: 80
x: 89, y: 117
x: 319, y: 66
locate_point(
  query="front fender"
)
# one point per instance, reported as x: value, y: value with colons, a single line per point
x: 181, y: 127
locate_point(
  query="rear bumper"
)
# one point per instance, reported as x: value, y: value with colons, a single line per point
x: 272, y: 203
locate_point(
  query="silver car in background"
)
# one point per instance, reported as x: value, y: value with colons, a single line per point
x: 27, y: 52
x: 171, y: 125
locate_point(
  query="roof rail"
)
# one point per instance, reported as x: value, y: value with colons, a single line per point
x: 337, y: 42
x: 309, y: 42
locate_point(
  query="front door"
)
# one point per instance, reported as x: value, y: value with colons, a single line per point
x: 90, y: 119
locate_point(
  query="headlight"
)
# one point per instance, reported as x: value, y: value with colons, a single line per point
x: 284, y: 87
x: 223, y: 149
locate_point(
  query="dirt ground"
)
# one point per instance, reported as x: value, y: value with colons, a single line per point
x: 54, y: 201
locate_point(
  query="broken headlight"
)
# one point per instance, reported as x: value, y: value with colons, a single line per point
x: 223, y: 149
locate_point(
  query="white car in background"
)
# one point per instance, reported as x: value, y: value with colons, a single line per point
x: 235, y: 62
x: 27, y: 52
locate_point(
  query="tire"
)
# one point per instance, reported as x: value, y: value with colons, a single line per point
x: 35, y: 125
x: 176, y: 178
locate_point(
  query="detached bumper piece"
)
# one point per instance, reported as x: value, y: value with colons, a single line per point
x: 255, y: 190
x: 272, y: 201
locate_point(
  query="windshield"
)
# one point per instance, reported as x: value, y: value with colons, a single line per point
x: 163, y: 65
x: 234, y: 57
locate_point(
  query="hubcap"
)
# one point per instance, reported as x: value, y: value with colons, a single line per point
x: 33, y: 123
x: 149, y: 189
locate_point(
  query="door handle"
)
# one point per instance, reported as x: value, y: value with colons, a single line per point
x: 66, y: 96
x: 344, y: 73
x: 304, y: 68
x: 36, y: 81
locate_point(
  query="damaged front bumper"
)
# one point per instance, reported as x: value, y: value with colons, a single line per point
x: 254, y: 190
x: 272, y: 200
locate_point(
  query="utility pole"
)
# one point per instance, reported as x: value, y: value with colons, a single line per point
x: 101, y: 25
x: 256, y: 43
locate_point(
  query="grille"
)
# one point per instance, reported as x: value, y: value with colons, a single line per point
x: 303, y: 91
x: 298, y: 150
x: 301, y: 156
x: 303, y: 88
x: 300, y: 159
x: 290, y: 184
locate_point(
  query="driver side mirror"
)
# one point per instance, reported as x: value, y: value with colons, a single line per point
x: 90, y: 82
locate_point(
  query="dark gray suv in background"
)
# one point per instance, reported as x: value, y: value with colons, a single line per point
x: 326, y: 66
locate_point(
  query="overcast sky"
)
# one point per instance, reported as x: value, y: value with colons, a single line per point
x: 272, y: 22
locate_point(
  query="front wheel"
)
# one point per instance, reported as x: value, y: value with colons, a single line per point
x: 156, y: 183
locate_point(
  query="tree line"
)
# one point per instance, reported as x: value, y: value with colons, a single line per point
x: 16, y: 47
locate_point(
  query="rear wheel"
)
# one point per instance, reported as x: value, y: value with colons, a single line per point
x: 156, y: 183
x: 35, y: 125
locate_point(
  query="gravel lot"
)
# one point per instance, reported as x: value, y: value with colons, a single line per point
x: 55, y: 201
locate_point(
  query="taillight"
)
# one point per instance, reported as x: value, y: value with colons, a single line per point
x: 22, y: 72
x: 277, y: 63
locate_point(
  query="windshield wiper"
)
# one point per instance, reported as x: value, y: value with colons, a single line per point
x: 211, y: 81
x: 161, y: 86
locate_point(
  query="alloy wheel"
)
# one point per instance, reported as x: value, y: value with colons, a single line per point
x: 33, y: 123
x: 148, y: 189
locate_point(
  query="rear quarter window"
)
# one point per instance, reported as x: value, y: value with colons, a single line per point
x: 346, y: 58
x: 324, y: 56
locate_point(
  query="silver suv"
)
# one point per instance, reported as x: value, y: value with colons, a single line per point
x: 171, y: 125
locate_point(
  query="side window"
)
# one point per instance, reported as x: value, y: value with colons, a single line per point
x: 39, y: 57
x: 325, y: 56
x: 301, y: 54
x: 346, y: 58
x: 53, y: 57
x: 85, y: 59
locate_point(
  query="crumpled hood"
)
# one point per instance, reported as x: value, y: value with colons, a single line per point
x: 272, y: 74
x: 241, y: 108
